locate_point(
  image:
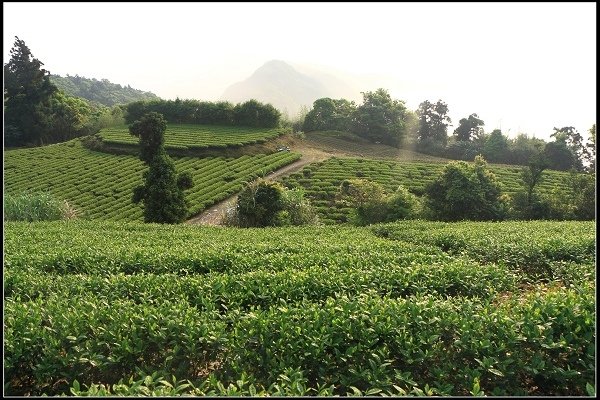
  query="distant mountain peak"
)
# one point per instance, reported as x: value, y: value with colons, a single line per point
x: 280, y: 84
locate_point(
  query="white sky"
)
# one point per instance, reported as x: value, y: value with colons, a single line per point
x: 526, y: 67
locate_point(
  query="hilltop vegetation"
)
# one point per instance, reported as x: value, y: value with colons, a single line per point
x: 100, y: 91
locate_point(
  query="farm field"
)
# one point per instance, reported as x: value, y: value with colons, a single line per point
x: 189, y: 136
x: 322, y: 180
x: 409, y: 307
x: 100, y: 185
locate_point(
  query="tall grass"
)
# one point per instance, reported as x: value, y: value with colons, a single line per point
x: 35, y: 206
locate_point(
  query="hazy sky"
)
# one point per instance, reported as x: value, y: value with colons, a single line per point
x: 524, y: 67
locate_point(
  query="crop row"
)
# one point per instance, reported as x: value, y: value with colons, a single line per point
x: 385, y: 308
x: 100, y: 185
x: 129, y: 248
x: 186, y: 136
x: 322, y: 180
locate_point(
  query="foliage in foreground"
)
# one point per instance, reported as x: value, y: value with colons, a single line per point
x: 35, y: 206
x: 305, y: 310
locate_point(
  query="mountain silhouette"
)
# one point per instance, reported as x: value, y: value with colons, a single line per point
x: 288, y: 90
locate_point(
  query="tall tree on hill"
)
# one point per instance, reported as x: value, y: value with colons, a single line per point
x: 433, y: 122
x: 27, y: 88
x: 469, y: 128
x: 329, y: 114
x: 380, y: 118
x: 162, y: 193
x: 495, y: 148
x: 567, y: 151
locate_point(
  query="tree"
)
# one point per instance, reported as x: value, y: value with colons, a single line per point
x: 532, y: 175
x: 466, y: 192
x: 559, y: 153
x: 380, y: 118
x: 469, y: 128
x: 265, y: 203
x: 162, y: 192
x: 329, y: 114
x: 27, y: 88
x: 495, y: 148
x: 528, y: 204
x: 367, y: 198
x: 255, y: 114
x: 571, y: 139
x: 433, y: 122
x: 522, y: 148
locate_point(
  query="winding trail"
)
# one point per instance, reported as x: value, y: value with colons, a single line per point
x: 213, y: 216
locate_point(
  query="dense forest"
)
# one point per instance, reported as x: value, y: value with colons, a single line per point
x: 100, y: 91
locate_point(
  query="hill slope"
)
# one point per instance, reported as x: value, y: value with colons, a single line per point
x: 100, y: 91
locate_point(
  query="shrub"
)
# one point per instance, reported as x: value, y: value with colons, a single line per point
x: 372, y: 205
x: 466, y: 192
x: 36, y: 206
x: 263, y: 203
x: 297, y: 209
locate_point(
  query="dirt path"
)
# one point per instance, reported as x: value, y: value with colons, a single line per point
x: 214, y: 215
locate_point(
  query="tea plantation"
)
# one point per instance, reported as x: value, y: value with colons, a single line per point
x: 188, y: 136
x: 417, y: 308
x: 322, y: 180
x: 100, y: 185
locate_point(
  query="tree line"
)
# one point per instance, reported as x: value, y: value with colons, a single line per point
x: 251, y: 113
x: 382, y: 119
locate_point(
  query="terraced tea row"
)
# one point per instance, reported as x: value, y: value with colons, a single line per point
x: 187, y: 136
x: 322, y: 180
x: 100, y: 185
x: 334, y: 310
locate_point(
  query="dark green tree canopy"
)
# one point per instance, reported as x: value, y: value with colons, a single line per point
x: 251, y: 113
x: 329, y: 114
x: 259, y: 203
x: 465, y: 191
x: 255, y: 114
x: 150, y: 129
x: 27, y: 88
x: 433, y: 122
x: 162, y: 192
x: 495, y: 148
x: 469, y: 128
x: 380, y: 118
x: 571, y: 139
